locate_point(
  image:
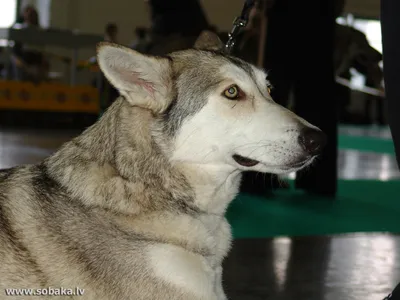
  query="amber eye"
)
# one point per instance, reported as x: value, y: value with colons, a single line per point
x: 232, y: 93
x: 269, y: 90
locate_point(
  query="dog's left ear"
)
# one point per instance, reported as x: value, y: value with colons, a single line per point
x: 209, y: 41
x: 145, y: 81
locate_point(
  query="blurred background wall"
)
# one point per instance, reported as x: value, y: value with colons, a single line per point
x: 83, y: 14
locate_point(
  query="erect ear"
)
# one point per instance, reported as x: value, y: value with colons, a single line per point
x: 145, y: 81
x: 209, y: 41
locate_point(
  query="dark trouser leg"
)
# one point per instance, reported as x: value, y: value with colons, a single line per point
x: 314, y: 87
x: 390, y: 20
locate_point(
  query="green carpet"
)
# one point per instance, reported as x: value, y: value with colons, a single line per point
x: 361, y: 206
x: 369, y: 144
x: 382, y: 144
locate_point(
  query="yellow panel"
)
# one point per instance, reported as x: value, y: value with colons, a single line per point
x: 48, y: 97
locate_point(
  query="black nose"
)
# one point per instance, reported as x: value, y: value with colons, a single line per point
x: 312, y: 140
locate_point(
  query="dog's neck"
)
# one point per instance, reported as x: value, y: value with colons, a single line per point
x: 117, y: 164
x: 215, y: 186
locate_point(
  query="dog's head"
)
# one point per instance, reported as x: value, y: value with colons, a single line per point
x: 214, y: 109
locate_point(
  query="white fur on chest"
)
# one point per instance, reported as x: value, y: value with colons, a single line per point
x: 194, y: 273
x: 184, y: 270
x: 189, y: 272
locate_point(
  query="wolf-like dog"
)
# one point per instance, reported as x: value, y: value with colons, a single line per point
x: 133, y: 208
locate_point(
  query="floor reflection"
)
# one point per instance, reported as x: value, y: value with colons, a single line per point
x: 345, y: 267
x: 30, y: 146
x: 367, y: 165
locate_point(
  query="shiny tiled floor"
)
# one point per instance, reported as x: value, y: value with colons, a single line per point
x: 367, y: 165
x: 348, y: 267
x: 20, y: 146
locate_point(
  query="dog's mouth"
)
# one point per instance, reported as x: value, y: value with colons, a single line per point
x: 245, y: 161
x: 248, y: 162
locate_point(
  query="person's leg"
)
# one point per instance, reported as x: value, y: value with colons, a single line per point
x: 314, y: 87
x: 390, y: 21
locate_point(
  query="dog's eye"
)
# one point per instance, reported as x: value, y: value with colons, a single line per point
x: 269, y: 90
x: 233, y: 92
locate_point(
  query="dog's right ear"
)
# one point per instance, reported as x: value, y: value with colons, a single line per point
x: 209, y: 40
x: 145, y: 81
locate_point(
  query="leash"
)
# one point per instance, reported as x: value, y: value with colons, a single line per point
x: 239, y: 23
